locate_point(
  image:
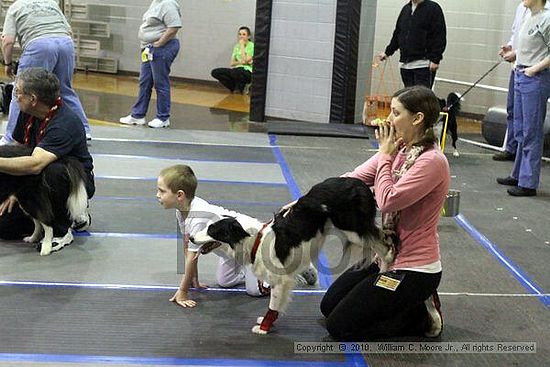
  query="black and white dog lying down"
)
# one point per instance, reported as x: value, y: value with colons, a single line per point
x: 55, y: 196
x: 285, y: 246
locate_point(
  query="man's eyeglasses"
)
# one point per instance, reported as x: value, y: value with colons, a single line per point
x: 18, y: 92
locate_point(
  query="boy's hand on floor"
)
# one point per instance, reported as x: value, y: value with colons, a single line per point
x: 181, y: 299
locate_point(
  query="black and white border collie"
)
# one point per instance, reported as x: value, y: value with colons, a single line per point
x: 55, y: 196
x: 285, y: 246
x: 452, y: 107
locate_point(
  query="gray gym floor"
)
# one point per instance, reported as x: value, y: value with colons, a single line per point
x: 104, y: 299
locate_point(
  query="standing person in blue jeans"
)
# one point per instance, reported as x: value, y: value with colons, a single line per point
x: 159, y: 48
x: 531, y: 92
x: 508, y: 53
x: 45, y: 36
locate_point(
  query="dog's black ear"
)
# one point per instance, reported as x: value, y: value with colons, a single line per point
x: 227, y: 230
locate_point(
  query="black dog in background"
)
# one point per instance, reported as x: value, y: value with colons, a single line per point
x: 452, y: 107
x: 55, y: 197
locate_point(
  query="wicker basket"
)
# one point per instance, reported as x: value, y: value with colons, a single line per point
x: 378, y: 105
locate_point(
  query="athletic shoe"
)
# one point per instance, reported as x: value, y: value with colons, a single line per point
x: 508, y: 181
x: 59, y: 242
x: 307, y: 277
x: 521, y: 191
x: 504, y: 156
x: 83, y: 222
x: 129, y: 120
x: 4, y: 141
x: 435, y: 318
x: 159, y: 123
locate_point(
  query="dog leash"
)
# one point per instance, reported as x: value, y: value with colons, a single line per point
x: 476, y: 82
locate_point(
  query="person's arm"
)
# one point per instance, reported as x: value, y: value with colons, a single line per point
x: 245, y: 56
x: 168, y: 34
x: 234, y: 60
x: 7, y: 50
x: 9, y: 32
x: 518, y: 17
x: 545, y: 63
x: 27, y: 165
x: 181, y: 296
x: 245, y: 59
x: 535, y: 69
x: 437, y: 38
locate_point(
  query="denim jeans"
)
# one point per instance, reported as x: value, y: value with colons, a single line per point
x: 55, y: 54
x: 511, y: 143
x: 420, y: 76
x: 530, y: 99
x: 156, y: 73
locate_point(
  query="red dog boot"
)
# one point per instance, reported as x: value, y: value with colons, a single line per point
x: 265, y: 322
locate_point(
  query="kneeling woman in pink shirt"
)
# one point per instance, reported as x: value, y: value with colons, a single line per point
x: 410, y: 177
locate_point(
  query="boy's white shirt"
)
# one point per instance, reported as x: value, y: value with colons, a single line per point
x: 200, y: 215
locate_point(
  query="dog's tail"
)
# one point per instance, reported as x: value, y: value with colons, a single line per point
x: 77, y: 202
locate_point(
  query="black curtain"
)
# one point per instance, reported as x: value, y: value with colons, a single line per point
x: 262, y: 36
x: 344, y: 72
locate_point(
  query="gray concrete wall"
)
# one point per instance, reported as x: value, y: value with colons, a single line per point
x: 301, y: 59
x: 207, y: 38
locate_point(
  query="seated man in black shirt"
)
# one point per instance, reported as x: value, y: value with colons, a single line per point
x: 54, y: 131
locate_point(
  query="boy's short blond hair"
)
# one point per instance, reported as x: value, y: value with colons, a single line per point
x: 180, y: 177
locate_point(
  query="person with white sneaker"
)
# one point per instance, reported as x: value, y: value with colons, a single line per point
x: 47, y: 125
x: 159, y: 48
x: 410, y: 176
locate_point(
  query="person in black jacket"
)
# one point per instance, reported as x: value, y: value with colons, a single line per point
x: 421, y: 36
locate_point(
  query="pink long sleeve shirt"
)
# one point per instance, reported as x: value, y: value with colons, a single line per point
x: 419, y: 194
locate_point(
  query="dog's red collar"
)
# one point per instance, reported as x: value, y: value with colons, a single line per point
x: 257, y: 242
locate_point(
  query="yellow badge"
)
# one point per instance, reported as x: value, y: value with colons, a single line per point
x: 389, y: 281
x: 145, y: 54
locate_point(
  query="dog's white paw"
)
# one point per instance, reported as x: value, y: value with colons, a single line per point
x: 259, y: 320
x: 45, y: 248
x: 256, y: 330
x: 31, y: 239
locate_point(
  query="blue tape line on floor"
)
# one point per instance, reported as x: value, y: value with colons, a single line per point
x: 215, y: 202
x: 126, y: 235
x: 202, y: 181
x: 167, y: 361
x: 106, y: 155
x: 516, y: 271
